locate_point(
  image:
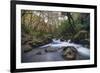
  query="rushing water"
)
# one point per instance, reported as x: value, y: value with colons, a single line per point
x: 57, y: 43
x: 39, y: 54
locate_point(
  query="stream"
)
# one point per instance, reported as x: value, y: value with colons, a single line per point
x: 40, y: 55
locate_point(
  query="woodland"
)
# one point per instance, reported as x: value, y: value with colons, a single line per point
x: 40, y: 27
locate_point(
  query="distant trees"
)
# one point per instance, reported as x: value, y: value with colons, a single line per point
x: 55, y: 24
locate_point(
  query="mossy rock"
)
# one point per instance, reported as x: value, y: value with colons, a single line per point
x: 70, y: 53
x: 26, y: 48
x: 81, y: 35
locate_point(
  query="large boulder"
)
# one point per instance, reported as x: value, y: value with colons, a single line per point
x: 26, y: 48
x: 70, y: 53
x: 26, y: 42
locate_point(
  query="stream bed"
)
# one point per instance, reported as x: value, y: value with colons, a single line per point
x: 42, y: 54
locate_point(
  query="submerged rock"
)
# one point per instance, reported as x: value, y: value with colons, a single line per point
x: 39, y: 53
x: 50, y: 49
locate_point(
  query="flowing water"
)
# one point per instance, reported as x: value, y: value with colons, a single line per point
x: 39, y: 54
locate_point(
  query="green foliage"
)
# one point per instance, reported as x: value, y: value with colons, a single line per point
x: 26, y: 29
x: 42, y: 32
x: 65, y: 30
